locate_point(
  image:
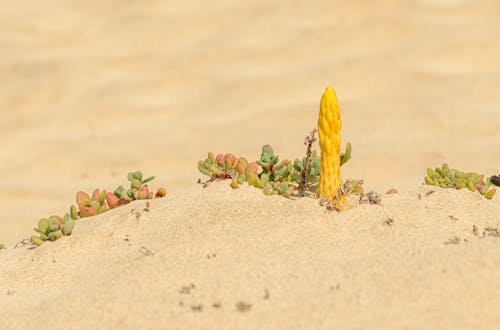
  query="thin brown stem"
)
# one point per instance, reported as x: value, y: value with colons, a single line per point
x: 309, y: 140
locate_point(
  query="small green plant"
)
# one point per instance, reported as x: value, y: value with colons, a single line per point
x: 273, y: 176
x: 55, y: 227
x: 224, y: 167
x: 89, y: 206
x: 446, y: 177
x: 276, y: 177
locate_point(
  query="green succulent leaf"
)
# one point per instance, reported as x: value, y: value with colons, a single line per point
x: 268, y: 155
x: 120, y: 192
x: 43, y: 226
x: 211, y: 158
x: 73, y: 212
x: 263, y: 164
x: 55, y: 235
x: 68, y: 227
x: 37, y: 240
x: 151, y: 178
x: 136, y: 184
x: 137, y: 175
x: 346, y: 155
x: 203, y: 168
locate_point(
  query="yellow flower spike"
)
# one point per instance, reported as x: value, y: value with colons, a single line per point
x: 329, y: 125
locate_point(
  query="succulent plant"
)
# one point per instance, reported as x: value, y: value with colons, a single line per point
x: 90, y: 206
x: 252, y: 175
x: 138, y: 190
x: 136, y: 179
x: 278, y: 188
x: 222, y: 166
x: 271, y: 169
x: 268, y: 159
x: 312, y: 175
x: 275, y: 177
x: 55, y: 227
x: 446, y: 177
x: 124, y: 196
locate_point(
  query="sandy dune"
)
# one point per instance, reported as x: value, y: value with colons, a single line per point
x: 265, y: 262
x: 92, y: 90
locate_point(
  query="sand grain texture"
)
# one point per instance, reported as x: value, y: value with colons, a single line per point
x: 93, y: 90
x: 293, y: 263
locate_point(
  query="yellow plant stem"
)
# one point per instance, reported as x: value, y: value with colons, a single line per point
x: 329, y: 125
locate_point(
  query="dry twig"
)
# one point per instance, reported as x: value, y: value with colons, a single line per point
x: 309, y: 140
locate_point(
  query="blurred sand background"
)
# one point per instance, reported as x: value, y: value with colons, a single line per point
x: 94, y: 89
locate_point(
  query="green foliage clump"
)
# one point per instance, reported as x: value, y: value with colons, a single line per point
x: 55, y: 227
x: 273, y: 176
x: 267, y: 173
x: 446, y: 177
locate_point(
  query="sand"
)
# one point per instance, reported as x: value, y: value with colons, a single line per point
x: 93, y: 90
x: 195, y: 259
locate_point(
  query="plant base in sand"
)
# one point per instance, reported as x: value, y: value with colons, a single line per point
x: 273, y: 176
x: 55, y: 227
x: 446, y: 177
